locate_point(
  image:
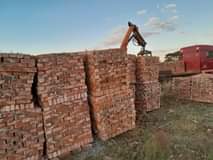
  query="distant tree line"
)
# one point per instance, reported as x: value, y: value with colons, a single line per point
x: 174, y: 56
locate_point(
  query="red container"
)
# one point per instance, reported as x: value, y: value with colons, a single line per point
x: 197, y: 58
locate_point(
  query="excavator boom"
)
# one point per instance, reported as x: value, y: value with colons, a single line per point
x: 133, y: 33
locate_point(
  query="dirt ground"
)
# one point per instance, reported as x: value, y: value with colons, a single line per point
x: 180, y: 130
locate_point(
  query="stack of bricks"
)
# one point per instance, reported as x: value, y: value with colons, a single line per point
x: 148, y: 96
x: 197, y: 88
x: 109, y: 93
x: 147, y: 85
x: 132, y: 72
x: 21, y: 127
x: 181, y: 87
x: 174, y: 66
x: 63, y: 96
x: 202, y: 88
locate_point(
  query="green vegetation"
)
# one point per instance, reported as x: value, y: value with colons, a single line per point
x: 180, y: 130
x: 172, y: 56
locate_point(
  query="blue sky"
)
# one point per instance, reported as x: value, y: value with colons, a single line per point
x: 37, y: 26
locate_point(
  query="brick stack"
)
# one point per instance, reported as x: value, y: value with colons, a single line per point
x: 147, y: 86
x: 131, y: 72
x: 174, y: 66
x: 21, y: 127
x: 63, y: 96
x: 202, y: 88
x: 109, y: 93
x: 148, y: 96
x: 181, y: 87
x: 147, y: 69
x: 196, y: 88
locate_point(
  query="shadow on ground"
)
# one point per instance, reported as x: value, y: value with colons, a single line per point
x: 180, y: 130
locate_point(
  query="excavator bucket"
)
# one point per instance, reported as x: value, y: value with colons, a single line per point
x: 145, y: 53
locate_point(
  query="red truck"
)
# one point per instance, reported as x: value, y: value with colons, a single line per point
x: 192, y: 60
x: 197, y: 58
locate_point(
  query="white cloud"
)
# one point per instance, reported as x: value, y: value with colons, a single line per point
x: 141, y: 12
x: 182, y: 32
x: 115, y: 37
x: 148, y: 34
x: 162, y: 25
x: 174, y: 18
x: 170, y: 7
x: 117, y: 34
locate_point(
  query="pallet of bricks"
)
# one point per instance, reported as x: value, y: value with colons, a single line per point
x: 147, y: 85
x: 21, y: 127
x: 202, y: 88
x: 62, y: 94
x: 111, y: 98
x: 197, y: 88
x: 181, y: 87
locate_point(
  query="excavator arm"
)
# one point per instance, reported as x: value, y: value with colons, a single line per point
x: 133, y: 33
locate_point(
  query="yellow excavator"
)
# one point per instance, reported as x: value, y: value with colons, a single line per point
x: 134, y: 35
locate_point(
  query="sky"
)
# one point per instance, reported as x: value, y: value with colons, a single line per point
x: 44, y: 26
